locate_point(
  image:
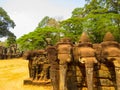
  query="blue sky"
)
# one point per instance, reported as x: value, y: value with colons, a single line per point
x: 28, y: 13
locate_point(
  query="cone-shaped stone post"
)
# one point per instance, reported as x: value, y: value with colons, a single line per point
x: 87, y: 55
x: 84, y: 37
x: 111, y: 47
x: 64, y: 48
x: 108, y: 37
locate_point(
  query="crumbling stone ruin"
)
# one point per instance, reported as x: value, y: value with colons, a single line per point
x: 11, y: 51
x: 38, y: 65
x: 82, y: 66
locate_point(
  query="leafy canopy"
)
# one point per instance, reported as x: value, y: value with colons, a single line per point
x: 5, y: 24
x: 47, y: 28
x: 37, y: 38
x: 96, y: 17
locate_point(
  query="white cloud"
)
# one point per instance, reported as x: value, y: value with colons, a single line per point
x: 28, y: 13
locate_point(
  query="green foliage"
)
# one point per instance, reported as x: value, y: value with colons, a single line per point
x: 73, y: 27
x: 43, y: 22
x: 37, y: 38
x: 5, y: 24
x: 47, y: 28
x: 47, y: 21
x: 102, y: 17
x: 11, y: 40
x: 96, y: 17
x: 97, y: 25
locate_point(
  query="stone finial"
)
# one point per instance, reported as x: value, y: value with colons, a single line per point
x: 84, y: 37
x: 108, y: 37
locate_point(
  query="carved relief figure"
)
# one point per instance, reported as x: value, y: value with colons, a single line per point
x: 54, y: 66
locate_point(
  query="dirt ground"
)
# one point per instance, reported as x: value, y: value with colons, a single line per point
x: 12, y: 74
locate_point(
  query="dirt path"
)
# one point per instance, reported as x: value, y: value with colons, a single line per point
x: 12, y: 74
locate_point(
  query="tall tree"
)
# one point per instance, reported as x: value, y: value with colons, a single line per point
x: 73, y: 27
x: 96, y: 17
x: 43, y: 22
x: 102, y: 16
x: 5, y: 24
x: 37, y: 38
x: 48, y: 28
x: 47, y: 21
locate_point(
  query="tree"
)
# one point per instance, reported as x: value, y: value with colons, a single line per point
x: 43, y: 22
x: 96, y: 17
x: 11, y: 40
x: 73, y: 27
x: 5, y: 24
x: 47, y: 21
x: 47, y: 28
x: 37, y: 38
x: 102, y: 16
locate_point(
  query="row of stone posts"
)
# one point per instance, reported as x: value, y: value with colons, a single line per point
x: 84, y: 66
x: 10, y: 52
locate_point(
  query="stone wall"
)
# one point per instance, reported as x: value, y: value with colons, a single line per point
x: 104, y: 77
